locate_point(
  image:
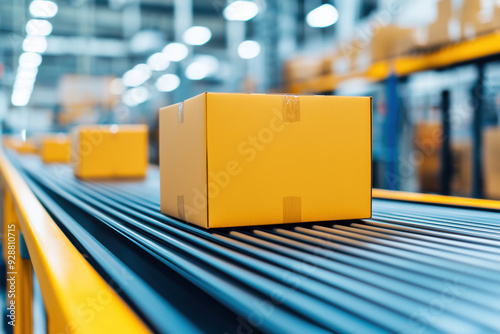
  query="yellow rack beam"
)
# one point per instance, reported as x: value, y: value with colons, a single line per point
x: 76, y: 297
x: 436, y: 199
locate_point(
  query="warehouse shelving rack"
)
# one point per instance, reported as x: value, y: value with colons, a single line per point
x: 478, y: 51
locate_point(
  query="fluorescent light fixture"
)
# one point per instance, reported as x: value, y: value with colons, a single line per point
x: 197, y: 71
x: 176, y: 51
x: 21, y: 96
x: 137, y: 76
x: 136, y: 96
x: 167, y: 82
x: 158, y: 61
x: 197, y: 35
x: 24, y: 83
x: 323, y: 16
x: 211, y: 61
x: 24, y: 91
x: 30, y: 60
x: 35, y: 44
x: 240, y: 11
x: 26, y: 75
x: 203, y: 66
x: 38, y: 27
x: 248, y: 49
x: 19, y: 101
x: 43, y: 9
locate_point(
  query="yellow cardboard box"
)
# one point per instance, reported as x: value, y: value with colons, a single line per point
x: 461, y: 181
x: 491, y: 167
x: 110, y: 151
x: 427, y: 144
x: 252, y: 159
x: 28, y: 146
x: 438, y: 32
x: 391, y: 41
x: 55, y: 149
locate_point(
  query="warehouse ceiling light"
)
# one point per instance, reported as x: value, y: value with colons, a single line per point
x: 158, y: 61
x: 25, y: 78
x: 30, y: 60
x: 24, y: 83
x: 19, y: 100
x: 43, y: 9
x: 176, y: 51
x: 136, y: 76
x: 197, y: 35
x: 197, y: 71
x: 35, y: 44
x: 136, y: 96
x: 25, y: 91
x: 241, y: 11
x: 38, y: 27
x: 248, y: 49
x: 203, y: 66
x: 323, y: 16
x: 167, y: 82
x: 21, y: 96
x: 26, y: 73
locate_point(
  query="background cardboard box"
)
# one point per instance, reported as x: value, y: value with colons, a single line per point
x: 444, y: 29
x: 28, y: 146
x: 391, y: 41
x: 250, y: 159
x: 428, y: 145
x: 119, y: 151
x: 491, y: 167
x: 461, y: 182
x: 55, y: 149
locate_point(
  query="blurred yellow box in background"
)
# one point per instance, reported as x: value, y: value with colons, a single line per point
x: 491, y: 167
x: 461, y: 182
x: 114, y: 151
x: 27, y: 146
x: 253, y: 159
x: 55, y: 149
x: 427, y: 142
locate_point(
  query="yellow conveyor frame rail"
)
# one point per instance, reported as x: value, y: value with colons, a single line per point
x: 76, y: 298
x: 436, y: 199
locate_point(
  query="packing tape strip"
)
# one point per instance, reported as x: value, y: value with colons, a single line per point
x: 180, y: 207
x: 180, y: 113
x: 292, y: 208
x: 291, y: 108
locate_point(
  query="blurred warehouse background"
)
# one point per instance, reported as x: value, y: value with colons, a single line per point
x: 432, y: 67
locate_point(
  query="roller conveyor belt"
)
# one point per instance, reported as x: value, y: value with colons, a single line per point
x: 411, y: 268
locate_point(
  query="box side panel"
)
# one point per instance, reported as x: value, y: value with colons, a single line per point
x: 273, y: 161
x: 55, y: 150
x: 95, y: 153
x: 338, y: 150
x: 371, y: 157
x: 183, y: 161
x: 131, y: 152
